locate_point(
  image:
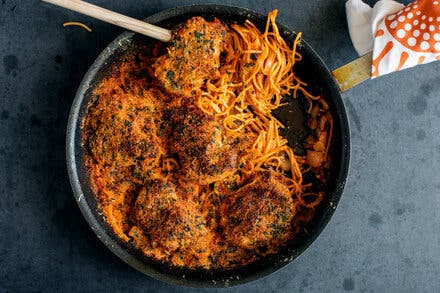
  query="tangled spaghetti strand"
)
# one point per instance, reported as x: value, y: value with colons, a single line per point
x: 257, y: 73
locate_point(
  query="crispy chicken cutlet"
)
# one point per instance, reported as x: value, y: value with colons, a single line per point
x: 259, y: 213
x: 193, y: 57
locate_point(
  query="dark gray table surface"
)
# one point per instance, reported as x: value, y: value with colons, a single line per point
x: 384, y: 236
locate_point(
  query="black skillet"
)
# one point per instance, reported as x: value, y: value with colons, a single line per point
x: 311, y: 69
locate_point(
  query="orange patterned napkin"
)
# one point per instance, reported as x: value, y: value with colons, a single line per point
x: 400, y: 36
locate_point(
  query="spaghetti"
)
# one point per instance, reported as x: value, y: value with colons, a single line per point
x: 76, y: 23
x: 257, y: 73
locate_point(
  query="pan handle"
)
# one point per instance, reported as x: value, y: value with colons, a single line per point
x: 353, y: 73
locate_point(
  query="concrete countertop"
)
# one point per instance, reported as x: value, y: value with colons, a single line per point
x: 384, y: 236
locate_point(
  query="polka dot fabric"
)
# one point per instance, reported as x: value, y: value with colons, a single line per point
x: 407, y: 38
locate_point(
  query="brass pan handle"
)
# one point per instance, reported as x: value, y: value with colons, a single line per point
x: 353, y: 73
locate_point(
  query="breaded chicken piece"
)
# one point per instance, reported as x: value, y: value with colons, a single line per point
x: 205, y: 152
x: 259, y: 213
x: 170, y: 221
x: 193, y: 56
x: 121, y: 131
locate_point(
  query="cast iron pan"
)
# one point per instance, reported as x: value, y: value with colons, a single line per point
x: 311, y: 69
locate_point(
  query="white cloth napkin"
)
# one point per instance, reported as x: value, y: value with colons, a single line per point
x: 399, y: 36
